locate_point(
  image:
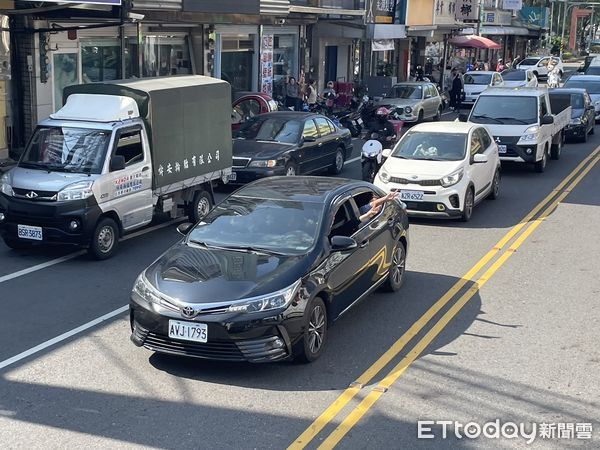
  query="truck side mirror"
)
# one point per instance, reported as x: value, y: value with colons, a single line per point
x: 117, y: 162
x: 547, y: 120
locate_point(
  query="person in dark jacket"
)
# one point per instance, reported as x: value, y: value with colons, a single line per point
x: 456, y: 90
x: 292, y: 94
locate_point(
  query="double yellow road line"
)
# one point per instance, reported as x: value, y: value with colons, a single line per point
x: 523, y: 230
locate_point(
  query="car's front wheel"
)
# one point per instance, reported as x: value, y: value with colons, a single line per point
x: 290, y: 169
x: 315, y: 332
x: 105, y: 239
x: 495, y: 192
x: 467, y: 211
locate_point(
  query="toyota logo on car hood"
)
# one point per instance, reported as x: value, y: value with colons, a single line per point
x: 31, y: 194
x: 188, y: 311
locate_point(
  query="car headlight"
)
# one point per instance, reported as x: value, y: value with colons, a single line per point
x: 576, y: 120
x: 530, y: 134
x: 143, y: 290
x: 5, y: 186
x: 453, y: 178
x: 263, y: 163
x: 276, y: 300
x: 76, y: 191
x: 408, y: 110
x: 384, y: 176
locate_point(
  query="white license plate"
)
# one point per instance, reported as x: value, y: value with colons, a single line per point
x: 232, y: 176
x: 188, y: 331
x: 502, y: 149
x: 29, y: 232
x: 411, y: 196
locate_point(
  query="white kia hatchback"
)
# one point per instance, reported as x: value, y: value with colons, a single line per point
x: 442, y: 169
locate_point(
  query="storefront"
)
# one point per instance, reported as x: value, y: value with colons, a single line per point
x: 95, y: 55
x: 282, y: 43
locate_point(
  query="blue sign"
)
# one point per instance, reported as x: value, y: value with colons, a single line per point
x: 536, y: 15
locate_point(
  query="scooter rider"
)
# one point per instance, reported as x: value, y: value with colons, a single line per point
x: 383, y: 127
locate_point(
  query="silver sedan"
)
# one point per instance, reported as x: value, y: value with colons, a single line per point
x: 414, y: 101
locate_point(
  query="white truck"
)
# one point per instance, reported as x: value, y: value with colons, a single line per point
x: 523, y: 123
x: 116, y: 155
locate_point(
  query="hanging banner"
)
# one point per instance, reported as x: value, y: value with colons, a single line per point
x: 536, y: 16
x: 266, y: 64
x: 512, y: 4
x: 382, y: 45
x: 380, y: 11
x: 466, y: 10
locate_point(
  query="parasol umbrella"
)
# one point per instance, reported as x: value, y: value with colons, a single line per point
x: 473, y: 41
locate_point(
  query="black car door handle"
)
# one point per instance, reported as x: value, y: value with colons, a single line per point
x: 364, y: 243
x: 391, y: 222
x: 145, y: 169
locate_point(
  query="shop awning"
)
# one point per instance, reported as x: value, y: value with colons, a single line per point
x: 326, y: 11
x: 473, y: 41
x: 500, y: 31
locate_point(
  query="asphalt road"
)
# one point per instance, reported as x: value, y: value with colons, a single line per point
x: 520, y: 344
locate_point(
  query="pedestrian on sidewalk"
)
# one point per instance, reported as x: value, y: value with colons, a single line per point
x: 455, y: 91
x: 311, y: 95
x: 292, y: 94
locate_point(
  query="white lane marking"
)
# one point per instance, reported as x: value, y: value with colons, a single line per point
x: 350, y: 161
x: 53, y: 262
x: 62, y: 337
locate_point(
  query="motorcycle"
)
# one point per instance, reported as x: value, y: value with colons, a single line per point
x: 371, y: 156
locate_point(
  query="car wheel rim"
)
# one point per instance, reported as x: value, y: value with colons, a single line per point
x: 398, y: 263
x: 316, y: 329
x: 290, y: 171
x: 106, y: 239
x: 203, y: 207
x: 339, y: 161
x: 469, y: 204
x: 496, y: 184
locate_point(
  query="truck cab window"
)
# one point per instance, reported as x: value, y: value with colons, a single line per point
x: 130, y: 147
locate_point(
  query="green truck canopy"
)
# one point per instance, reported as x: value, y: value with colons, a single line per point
x: 188, y: 120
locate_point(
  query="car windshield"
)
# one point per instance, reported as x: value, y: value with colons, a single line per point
x: 593, y: 87
x: 593, y: 70
x: 529, y: 62
x: 514, y: 75
x: 431, y: 146
x: 268, y: 224
x: 577, y: 101
x: 277, y: 129
x: 64, y: 149
x: 505, y: 110
x: 478, y: 78
x: 406, y: 91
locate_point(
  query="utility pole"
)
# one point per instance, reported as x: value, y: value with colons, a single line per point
x: 591, y: 28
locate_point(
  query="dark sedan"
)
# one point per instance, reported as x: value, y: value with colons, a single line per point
x: 262, y: 276
x: 582, y: 111
x: 288, y: 143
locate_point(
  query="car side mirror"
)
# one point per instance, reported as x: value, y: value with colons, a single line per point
x: 342, y: 243
x: 480, y: 158
x: 386, y: 152
x: 117, y: 162
x: 463, y: 117
x: 547, y: 120
x: 183, y: 228
x: 309, y: 139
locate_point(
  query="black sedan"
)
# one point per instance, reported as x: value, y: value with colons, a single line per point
x: 288, y: 143
x: 262, y: 276
x: 582, y: 112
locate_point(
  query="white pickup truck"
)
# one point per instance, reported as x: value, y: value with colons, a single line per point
x: 523, y: 124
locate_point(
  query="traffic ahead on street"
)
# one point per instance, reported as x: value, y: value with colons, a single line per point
x: 322, y: 279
